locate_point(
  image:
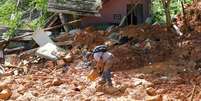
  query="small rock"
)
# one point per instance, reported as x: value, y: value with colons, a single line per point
x: 154, y: 98
x: 28, y: 96
x: 15, y: 95
x: 161, y: 91
x: 140, y: 76
x: 151, y: 91
x: 87, y: 100
x: 127, y: 91
x: 143, y: 82
x: 99, y: 93
x: 99, y: 88
x: 108, y: 90
x: 5, y: 94
x: 49, y: 64
x: 77, y: 89
x: 57, y: 82
x: 3, y: 86
x: 68, y: 58
x: 138, y: 93
x: 164, y: 78
x: 112, y: 90
x: 11, y: 60
x: 123, y: 88
x: 176, y: 80
x: 60, y: 63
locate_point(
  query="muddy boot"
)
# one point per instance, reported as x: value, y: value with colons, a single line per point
x: 107, y: 77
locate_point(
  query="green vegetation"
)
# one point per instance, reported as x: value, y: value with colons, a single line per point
x: 14, y: 14
x: 158, y: 11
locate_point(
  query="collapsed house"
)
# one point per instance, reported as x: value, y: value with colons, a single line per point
x: 94, y: 12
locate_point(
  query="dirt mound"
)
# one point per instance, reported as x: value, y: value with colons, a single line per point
x: 193, y: 16
x: 189, y: 48
x: 150, y: 44
x: 126, y: 57
x: 146, y: 31
x: 90, y: 38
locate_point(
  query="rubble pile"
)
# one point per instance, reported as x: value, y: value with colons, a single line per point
x: 149, y: 44
x: 89, y: 38
x: 193, y: 16
x: 45, y: 81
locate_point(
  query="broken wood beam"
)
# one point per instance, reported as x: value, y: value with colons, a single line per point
x: 59, y: 26
x: 14, y: 50
x: 51, y: 20
x: 65, y: 43
x: 15, y: 38
x: 31, y: 51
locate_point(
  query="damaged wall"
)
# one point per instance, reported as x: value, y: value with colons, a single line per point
x: 115, y: 7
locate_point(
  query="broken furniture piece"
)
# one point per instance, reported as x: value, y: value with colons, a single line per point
x: 48, y: 48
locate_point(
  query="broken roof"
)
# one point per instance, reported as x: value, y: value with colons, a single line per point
x: 79, y: 7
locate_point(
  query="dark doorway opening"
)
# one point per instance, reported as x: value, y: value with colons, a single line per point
x: 135, y: 14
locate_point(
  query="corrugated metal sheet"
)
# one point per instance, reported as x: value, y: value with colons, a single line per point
x: 79, y: 7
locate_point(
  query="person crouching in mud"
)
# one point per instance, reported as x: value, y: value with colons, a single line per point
x: 104, y: 62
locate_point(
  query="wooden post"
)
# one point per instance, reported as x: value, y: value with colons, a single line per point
x: 63, y: 21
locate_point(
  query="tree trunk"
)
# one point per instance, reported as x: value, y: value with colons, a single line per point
x: 166, y: 6
x: 186, y: 25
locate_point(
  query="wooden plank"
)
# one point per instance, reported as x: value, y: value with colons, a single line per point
x: 73, y: 12
x: 59, y: 26
x: 80, y: 7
